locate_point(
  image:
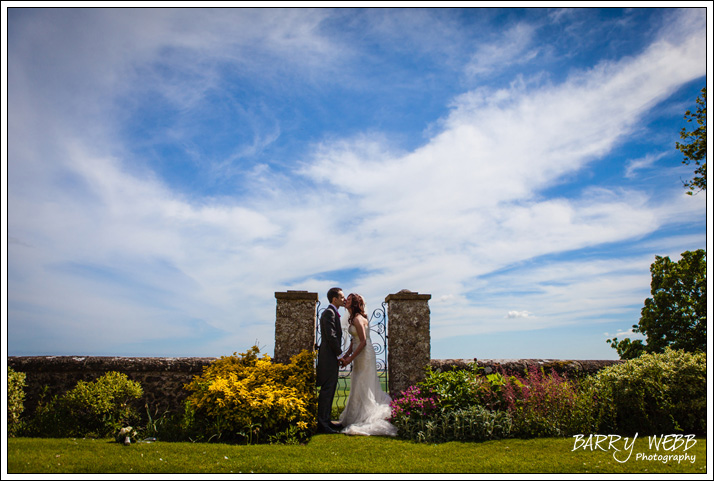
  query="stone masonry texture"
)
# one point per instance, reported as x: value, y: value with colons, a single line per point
x: 162, y: 379
x: 573, y: 369
x: 295, y: 314
x: 409, y: 349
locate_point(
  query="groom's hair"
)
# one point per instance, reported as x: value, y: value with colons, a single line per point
x: 332, y: 293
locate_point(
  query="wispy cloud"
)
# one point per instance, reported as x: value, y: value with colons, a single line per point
x: 105, y: 243
x: 515, y: 46
x: 642, y: 163
x: 625, y: 334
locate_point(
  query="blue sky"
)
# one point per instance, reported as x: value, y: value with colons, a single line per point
x: 169, y: 170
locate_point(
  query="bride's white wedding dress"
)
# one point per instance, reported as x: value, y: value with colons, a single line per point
x: 367, y: 408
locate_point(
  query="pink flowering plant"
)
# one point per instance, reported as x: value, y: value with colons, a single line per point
x: 663, y: 392
x: 542, y: 404
x: 457, y: 405
x: 413, y: 403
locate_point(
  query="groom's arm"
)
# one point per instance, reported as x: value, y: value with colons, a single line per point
x: 328, y: 329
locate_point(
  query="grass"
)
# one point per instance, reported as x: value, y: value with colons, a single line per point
x: 336, y: 454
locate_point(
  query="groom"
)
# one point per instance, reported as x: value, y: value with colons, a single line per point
x: 327, y: 360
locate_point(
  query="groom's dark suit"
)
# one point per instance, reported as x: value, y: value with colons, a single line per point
x: 327, y: 364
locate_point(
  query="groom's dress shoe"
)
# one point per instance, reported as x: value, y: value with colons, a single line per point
x: 326, y: 430
x: 336, y: 426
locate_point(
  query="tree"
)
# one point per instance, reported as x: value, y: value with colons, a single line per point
x: 695, y: 148
x: 627, y: 348
x: 676, y: 314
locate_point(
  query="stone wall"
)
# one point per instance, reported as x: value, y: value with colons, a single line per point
x: 295, y: 317
x: 161, y: 378
x: 574, y: 369
x: 409, y: 345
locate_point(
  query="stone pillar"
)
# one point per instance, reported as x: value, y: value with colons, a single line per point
x: 409, y: 350
x: 294, y: 323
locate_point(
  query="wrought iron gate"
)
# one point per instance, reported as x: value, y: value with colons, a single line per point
x: 378, y: 334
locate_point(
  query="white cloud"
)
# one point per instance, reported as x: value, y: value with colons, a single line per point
x: 515, y: 46
x: 494, y: 214
x: 630, y: 334
x: 465, y: 204
x: 569, y: 292
x: 645, y: 162
x: 445, y: 298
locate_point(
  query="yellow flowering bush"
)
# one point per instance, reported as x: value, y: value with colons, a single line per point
x: 250, y: 398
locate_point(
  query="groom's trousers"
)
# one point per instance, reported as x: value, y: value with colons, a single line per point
x: 328, y: 366
x: 324, y: 400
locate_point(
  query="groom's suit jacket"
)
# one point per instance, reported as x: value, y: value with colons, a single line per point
x: 330, y: 346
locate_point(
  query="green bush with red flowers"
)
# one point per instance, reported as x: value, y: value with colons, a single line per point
x: 655, y: 393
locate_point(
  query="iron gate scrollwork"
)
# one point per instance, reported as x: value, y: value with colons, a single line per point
x: 379, y: 337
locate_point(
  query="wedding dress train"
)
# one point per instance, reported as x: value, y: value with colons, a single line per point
x: 367, y: 408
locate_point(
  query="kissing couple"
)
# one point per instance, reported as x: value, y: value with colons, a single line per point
x: 368, y: 407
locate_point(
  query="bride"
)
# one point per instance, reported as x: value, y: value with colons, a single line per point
x: 367, y: 408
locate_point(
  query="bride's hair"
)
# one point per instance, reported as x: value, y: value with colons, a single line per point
x: 355, y: 304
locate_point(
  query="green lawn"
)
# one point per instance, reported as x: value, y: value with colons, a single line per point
x: 337, y: 454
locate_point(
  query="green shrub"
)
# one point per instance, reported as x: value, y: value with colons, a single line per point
x: 15, y: 399
x: 463, y: 388
x: 473, y: 423
x: 251, y: 399
x: 94, y: 409
x: 169, y: 425
x: 653, y: 394
x: 535, y: 405
x: 457, y: 405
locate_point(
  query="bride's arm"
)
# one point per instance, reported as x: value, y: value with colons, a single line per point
x: 359, y: 326
x: 349, y: 350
